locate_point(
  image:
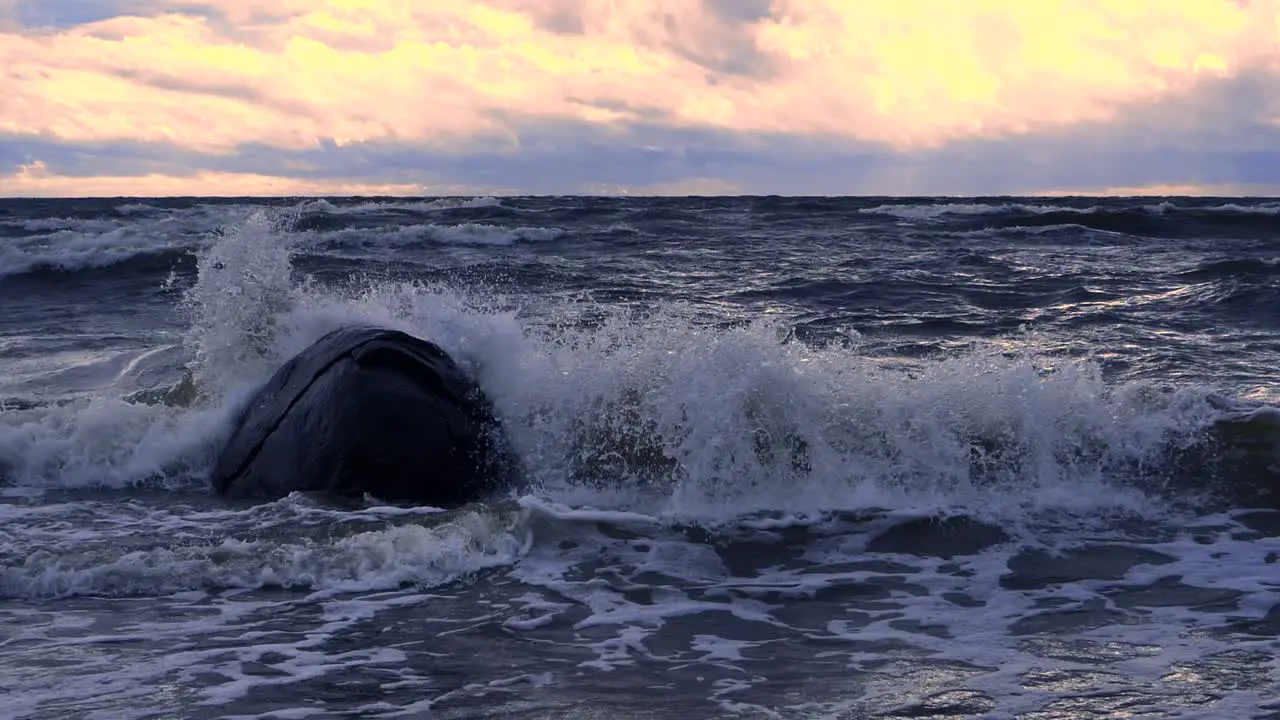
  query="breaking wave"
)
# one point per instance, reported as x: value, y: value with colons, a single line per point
x: 655, y: 405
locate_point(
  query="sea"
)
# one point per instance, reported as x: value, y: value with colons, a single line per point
x: 781, y: 457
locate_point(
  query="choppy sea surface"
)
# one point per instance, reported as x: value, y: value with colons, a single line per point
x: 786, y: 458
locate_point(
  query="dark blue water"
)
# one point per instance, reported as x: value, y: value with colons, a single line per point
x: 789, y: 457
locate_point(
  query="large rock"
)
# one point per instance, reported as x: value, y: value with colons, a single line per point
x: 366, y: 410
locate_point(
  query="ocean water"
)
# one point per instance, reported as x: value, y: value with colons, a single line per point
x: 786, y: 458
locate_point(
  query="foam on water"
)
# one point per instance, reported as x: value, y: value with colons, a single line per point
x: 979, y: 626
x: 134, y: 549
x: 621, y: 600
x: 106, y: 442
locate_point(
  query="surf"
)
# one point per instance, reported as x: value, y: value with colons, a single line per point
x: 654, y: 408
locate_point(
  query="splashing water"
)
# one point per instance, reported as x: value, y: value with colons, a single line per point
x: 655, y: 408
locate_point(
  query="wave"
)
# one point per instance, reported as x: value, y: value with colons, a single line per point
x: 1184, y: 224
x: 1169, y: 206
x: 417, y: 206
x: 658, y: 214
x: 653, y: 408
x: 1272, y: 208
x: 52, y: 246
x: 55, y: 224
x: 930, y: 210
x: 69, y: 245
x: 74, y: 252
x: 1236, y: 267
x: 938, y: 210
x: 289, y: 544
x: 119, y: 262
x: 131, y: 209
x: 1166, y: 219
x: 393, y: 237
x: 483, y: 234
x: 1027, y: 231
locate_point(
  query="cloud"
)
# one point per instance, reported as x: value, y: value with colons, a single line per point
x: 36, y: 180
x: 848, y: 96
x: 909, y: 74
x: 8, y: 15
x: 708, y: 187
x: 1160, y: 190
x: 45, y: 14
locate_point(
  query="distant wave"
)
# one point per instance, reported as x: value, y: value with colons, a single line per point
x: 70, y: 252
x: 1165, y: 219
x: 135, y: 233
x: 1233, y: 268
x: 35, y: 225
x: 129, y: 209
x: 80, y: 252
x: 1264, y: 209
x: 397, y: 236
x: 482, y: 234
x: 117, y: 261
x: 931, y: 211
x: 1183, y: 223
x: 1033, y: 230
x: 379, y: 206
x: 140, y: 235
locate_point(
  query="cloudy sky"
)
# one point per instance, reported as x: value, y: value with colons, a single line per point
x: 847, y: 97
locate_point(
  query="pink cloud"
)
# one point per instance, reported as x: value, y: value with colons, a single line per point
x: 36, y: 180
x: 1167, y: 190
x: 905, y: 74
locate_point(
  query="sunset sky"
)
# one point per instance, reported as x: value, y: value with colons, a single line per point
x: 845, y: 97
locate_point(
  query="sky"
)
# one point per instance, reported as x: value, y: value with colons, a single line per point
x: 644, y: 97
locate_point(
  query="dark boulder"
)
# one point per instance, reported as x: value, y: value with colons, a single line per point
x: 366, y: 410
